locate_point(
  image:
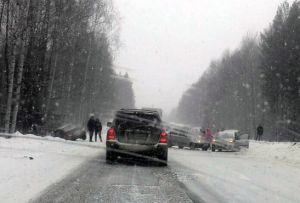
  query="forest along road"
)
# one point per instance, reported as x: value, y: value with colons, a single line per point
x: 192, y: 176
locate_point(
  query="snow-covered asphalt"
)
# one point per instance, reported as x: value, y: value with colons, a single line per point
x: 47, y: 169
x: 29, y: 164
x: 192, y: 176
x: 236, y: 176
x: 125, y: 181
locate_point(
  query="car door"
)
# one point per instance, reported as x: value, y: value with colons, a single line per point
x: 237, y: 140
x: 244, y: 140
x: 182, y: 139
x: 220, y: 140
x: 176, y: 137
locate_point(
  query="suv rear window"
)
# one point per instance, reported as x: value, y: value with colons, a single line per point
x: 136, y: 118
x: 138, y: 127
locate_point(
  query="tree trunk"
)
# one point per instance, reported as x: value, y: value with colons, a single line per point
x: 6, y: 61
x: 1, y: 15
x: 11, y: 77
x: 83, y: 93
x: 44, y: 63
x: 10, y: 74
x: 23, y: 40
x: 69, y: 88
x: 18, y: 90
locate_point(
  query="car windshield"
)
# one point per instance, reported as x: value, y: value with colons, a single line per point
x: 150, y: 101
x: 226, y: 135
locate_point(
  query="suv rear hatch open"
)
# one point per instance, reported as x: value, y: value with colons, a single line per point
x: 138, y: 127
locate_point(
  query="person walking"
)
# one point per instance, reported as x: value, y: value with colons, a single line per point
x: 91, y: 125
x: 209, y: 136
x: 259, y: 132
x: 98, y: 129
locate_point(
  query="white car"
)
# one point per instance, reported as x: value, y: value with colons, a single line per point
x: 231, y: 140
x: 197, y: 139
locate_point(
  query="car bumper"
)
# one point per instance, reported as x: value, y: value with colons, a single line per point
x: 226, y: 146
x: 136, y: 148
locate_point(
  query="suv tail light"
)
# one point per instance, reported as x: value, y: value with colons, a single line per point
x: 111, y: 134
x: 163, y: 137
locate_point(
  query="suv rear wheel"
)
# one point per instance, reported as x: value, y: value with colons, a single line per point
x: 110, y: 156
x: 192, y: 146
x: 163, y: 156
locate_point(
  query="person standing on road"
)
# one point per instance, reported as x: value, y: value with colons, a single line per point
x: 98, y: 129
x: 259, y: 132
x: 91, y: 125
x: 208, y: 135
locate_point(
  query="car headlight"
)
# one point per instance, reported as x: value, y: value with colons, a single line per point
x: 231, y: 141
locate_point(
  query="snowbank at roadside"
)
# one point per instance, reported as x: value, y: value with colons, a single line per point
x: 29, y: 163
x: 288, y: 152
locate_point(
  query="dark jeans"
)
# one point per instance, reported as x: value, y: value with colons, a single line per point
x: 96, y: 134
x: 258, y: 137
x: 91, y: 132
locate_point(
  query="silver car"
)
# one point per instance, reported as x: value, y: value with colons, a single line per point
x: 197, y: 139
x: 231, y: 140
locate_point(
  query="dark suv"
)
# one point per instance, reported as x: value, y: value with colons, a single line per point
x: 137, y: 132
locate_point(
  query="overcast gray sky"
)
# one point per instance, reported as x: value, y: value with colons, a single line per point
x: 168, y: 44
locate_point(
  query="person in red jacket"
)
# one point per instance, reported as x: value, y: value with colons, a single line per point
x: 209, y: 135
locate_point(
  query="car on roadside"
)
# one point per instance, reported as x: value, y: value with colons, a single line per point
x: 230, y: 140
x: 198, y: 139
x: 178, y: 136
x: 139, y: 133
x: 70, y: 132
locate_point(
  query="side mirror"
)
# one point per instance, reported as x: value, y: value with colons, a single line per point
x: 109, y: 124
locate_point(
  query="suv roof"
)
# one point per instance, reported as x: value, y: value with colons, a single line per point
x: 159, y: 111
x: 143, y: 111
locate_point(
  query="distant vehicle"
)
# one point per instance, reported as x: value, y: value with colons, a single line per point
x: 70, y: 132
x: 137, y: 132
x: 178, y: 136
x: 230, y: 140
x: 197, y: 139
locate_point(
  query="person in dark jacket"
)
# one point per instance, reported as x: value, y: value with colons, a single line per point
x: 98, y: 129
x: 91, y: 125
x: 259, y: 132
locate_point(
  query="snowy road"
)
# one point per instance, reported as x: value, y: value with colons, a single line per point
x: 236, y: 177
x: 126, y: 181
x: 191, y: 176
